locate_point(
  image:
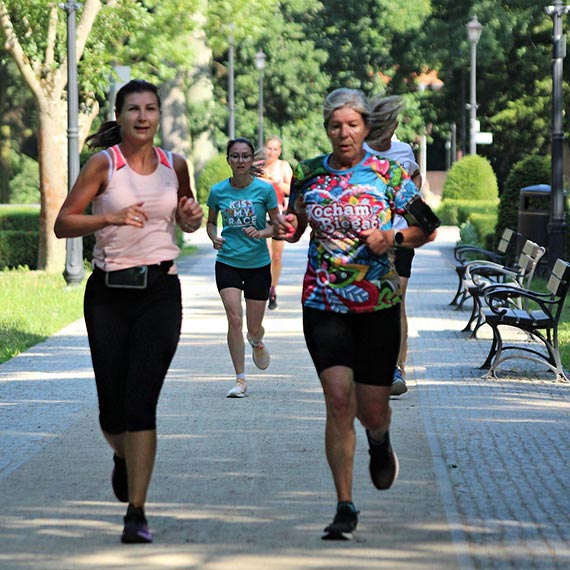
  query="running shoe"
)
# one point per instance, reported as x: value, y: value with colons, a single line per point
x: 383, y: 463
x: 260, y: 354
x: 344, y: 523
x: 239, y: 390
x: 398, y: 383
x: 273, y: 304
x: 136, y: 527
x: 119, y: 479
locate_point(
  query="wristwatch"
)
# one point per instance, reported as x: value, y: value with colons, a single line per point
x: 398, y: 238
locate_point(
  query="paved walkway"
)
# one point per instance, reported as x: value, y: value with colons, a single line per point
x: 243, y: 484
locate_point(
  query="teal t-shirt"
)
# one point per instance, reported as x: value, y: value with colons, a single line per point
x: 241, y: 208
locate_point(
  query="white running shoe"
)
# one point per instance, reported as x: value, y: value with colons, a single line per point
x: 239, y: 390
x: 260, y: 353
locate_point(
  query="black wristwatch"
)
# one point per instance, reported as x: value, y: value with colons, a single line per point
x: 398, y: 238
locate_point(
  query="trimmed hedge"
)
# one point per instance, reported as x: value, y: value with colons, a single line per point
x: 529, y: 171
x: 471, y: 178
x: 457, y: 212
x: 19, y: 248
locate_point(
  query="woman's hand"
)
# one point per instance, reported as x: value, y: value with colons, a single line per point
x: 189, y: 214
x: 285, y: 226
x: 377, y: 241
x: 254, y: 233
x: 132, y: 215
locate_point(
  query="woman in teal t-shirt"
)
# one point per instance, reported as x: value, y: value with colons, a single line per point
x: 243, y: 262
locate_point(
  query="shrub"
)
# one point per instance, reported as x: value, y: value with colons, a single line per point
x: 25, y: 185
x: 215, y: 171
x: 19, y: 249
x: 456, y: 212
x: 527, y: 172
x: 471, y: 178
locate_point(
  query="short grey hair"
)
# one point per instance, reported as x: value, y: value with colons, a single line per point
x: 344, y: 97
x: 385, y: 112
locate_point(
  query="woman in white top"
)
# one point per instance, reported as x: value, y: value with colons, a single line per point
x: 133, y: 308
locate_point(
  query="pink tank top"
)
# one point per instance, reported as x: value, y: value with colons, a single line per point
x: 119, y: 247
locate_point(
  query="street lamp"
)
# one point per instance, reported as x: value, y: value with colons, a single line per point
x: 557, y: 224
x: 260, y: 64
x: 231, y: 92
x: 474, y: 29
x: 74, y: 270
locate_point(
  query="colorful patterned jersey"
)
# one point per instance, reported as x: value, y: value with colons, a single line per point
x: 343, y: 275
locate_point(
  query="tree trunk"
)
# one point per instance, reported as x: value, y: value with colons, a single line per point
x: 53, y: 175
x: 5, y: 152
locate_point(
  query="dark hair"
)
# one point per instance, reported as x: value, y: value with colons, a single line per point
x: 239, y: 140
x: 109, y: 133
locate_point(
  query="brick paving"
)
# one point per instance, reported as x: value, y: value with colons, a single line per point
x: 244, y: 484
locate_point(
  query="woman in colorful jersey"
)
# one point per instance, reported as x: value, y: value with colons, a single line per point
x: 351, y: 291
x: 243, y: 262
x: 139, y: 193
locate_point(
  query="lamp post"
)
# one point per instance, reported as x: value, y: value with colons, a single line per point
x: 557, y: 224
x: 474, y: 29
x: 231, y: 92
x: 74, y: 270
x: 260, y: 64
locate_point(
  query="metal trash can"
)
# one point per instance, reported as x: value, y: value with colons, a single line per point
x: 534, y: 213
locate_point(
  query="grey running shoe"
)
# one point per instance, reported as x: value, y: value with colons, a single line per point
x: 383, y: 463
x: 260, y: 354
x: 398, y: 383
x: 343, y: 525
x: 239, y: 390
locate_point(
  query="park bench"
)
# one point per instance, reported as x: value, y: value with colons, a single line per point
x: 464, y: 253
x: 539, y: 318
x: 480, y: 275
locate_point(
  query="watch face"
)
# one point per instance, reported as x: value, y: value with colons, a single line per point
x: 399, y: 238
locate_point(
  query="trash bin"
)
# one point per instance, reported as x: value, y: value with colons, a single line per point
x: 534, y: 213
x: 534, y: 217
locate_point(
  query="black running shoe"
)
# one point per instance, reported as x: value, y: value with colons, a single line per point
x: 119, y: 479
x: 343, y: 525
x: 136, y: 527
x: 383, y: 463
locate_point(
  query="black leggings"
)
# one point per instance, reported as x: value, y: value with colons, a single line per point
x: 133, y: 335
x: 367, y: 343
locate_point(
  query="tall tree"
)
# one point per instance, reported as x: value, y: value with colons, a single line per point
x: 107, y: 32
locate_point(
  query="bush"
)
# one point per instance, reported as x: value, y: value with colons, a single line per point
x: 25, y: 185
x: 471, y: 178
x: 215, y: 171
x: 457, y: 212
x: 527, y: 172
x: 19, y: 249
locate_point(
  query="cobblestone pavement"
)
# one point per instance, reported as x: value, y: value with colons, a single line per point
x: 243, y: 484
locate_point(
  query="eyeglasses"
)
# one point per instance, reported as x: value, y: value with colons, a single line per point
x: 244, y: 157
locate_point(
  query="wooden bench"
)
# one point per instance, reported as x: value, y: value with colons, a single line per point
x: 539, y: 318
x: 480, y: 275
x: 505, y: 254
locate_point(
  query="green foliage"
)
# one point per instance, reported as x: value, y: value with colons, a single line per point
x: 19, y: 248
x: 19, y: 218
x: 471, y: 178
x: 457, y: 212
x: 529, y: 171
x: 25, y: 184
x: 215, y: 171
x: 54, y: 306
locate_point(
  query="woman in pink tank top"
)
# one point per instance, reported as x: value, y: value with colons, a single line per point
x: 133, y: 306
